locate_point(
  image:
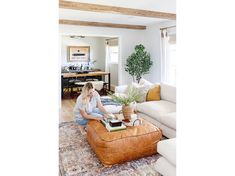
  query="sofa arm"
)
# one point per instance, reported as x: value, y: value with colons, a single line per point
x: 167, y: 148
x: 121, y: 89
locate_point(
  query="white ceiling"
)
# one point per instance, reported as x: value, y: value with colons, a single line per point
x: 153, y: 5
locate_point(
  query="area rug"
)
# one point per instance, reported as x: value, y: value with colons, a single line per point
x: 105, y: 100
x: 77, y: 158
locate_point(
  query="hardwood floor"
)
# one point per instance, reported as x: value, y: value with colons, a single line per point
x: 66, y: 111
x: 67, y: 105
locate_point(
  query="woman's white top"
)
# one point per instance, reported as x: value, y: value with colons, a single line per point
x: 89, y: 106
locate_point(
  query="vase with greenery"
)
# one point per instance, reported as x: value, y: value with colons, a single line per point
x: 91, y: 64
x: 126, y: 100
x: 138, y: 63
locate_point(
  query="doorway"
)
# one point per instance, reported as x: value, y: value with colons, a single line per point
x: 112, y: 60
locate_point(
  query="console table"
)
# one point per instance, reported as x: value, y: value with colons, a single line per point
x: 84, y: 76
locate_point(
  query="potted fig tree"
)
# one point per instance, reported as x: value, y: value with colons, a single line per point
x: 138, y: 63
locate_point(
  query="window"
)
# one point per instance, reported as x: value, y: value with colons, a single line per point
x: 168, y: 56
x: 171, y: 72
x: 113, y: 52
x: 111, y: 59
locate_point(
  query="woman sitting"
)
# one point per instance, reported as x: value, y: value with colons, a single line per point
x: 88, y: 105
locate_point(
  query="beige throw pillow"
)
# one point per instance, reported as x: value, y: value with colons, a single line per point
x: 143, y: 89
x: 145, y: 82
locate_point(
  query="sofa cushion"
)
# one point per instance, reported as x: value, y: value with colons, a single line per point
x: 165, y: 167
x: 153, y: 94
x: 142, y: 89
x: 155, y: 109
x: 169, y: 120
x: 145, y: 82
x: 167, y: 148
x: 121, y: 89
x: 166, y: 131
x: 168, y: 92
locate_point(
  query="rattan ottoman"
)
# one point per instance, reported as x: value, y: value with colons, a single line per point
x: 121, y: 146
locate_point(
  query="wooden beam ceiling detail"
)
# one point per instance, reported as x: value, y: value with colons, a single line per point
x: 115, y: 10
x: 98, y: 24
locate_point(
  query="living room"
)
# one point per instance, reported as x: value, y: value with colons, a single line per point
x: 31, y: 137
x: 128, y: 38
x: 156, y: 32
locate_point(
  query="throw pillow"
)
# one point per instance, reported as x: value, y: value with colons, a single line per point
x: 145, y: 82
x: 153, y: 94
x: 143, y: 89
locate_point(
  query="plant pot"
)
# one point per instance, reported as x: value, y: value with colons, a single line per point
x: 127, y: 111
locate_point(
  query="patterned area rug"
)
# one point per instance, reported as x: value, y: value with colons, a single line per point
x: 77, y: 158
x: 108, y: 101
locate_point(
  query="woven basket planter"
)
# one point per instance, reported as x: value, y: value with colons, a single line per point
x: 127, y: 111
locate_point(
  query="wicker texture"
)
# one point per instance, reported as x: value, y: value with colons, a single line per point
x: 127, y: 111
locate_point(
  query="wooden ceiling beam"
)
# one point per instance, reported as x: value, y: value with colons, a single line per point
x: 115, y: 10
x: 99, y: 24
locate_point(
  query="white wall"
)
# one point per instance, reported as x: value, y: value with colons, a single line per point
x: 127, y: 41
x: 152, y: 42
x: 114, y: 73
x: 97, y: 49
x: 150, y: 38
x: 101, y: 51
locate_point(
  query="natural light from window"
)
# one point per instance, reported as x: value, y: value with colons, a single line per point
x: 168, y: 56
x: 113, y: 54
x: 172, y: 64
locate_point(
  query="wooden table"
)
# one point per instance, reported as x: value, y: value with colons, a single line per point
x: 84, y: 75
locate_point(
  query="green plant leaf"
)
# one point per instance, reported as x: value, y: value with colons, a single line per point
x: 138, y: 63
x: 132, y: 96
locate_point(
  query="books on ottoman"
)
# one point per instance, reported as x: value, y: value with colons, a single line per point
x: 113, y: 124
x: 117, y: 128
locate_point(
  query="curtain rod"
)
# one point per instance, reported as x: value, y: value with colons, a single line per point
x: 167, y: 27
x: 112, y: 38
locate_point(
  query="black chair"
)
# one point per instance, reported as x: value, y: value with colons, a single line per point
x: 65, y: 88
x: 73, y: 85
x: 68, y: 85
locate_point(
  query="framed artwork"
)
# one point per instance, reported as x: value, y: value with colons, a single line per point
x: 78, y: 53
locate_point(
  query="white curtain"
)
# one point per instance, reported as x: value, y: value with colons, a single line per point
x: 109, y: 44
x: 168, y: 56
x: 107, y: 60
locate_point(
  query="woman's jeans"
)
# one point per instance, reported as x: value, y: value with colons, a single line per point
x: 83, y: 121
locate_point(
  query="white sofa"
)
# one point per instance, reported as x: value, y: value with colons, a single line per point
x: 166, y: 164
x: 162, y: 113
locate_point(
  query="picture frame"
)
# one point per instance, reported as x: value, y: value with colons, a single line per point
x: 78, y: 53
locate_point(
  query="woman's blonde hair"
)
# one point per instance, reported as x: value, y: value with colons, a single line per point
x: 85, y: 92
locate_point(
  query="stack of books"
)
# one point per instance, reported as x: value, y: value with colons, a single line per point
x: 112, y: 124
